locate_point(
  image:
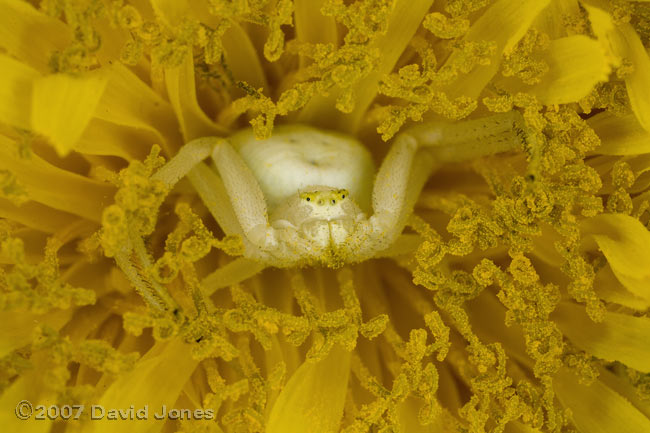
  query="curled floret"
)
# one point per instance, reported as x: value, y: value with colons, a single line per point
x: 445, y: 27
x: 38, y: 287
x: 12, y: 189
x: 137, y: 201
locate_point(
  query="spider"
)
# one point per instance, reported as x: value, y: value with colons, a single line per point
x: 307, y: 196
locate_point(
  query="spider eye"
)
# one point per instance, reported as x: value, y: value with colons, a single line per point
x: 333, y: 201
x: 308, y: 199
x: 343, y: 196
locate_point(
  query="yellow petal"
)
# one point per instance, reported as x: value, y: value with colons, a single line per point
x: 638, y: 82
x: 16, y: 328
x: 157, y: 379
x: 619, y: 337
x: 551, y: 19
x: 106, y: 138
x: 608, y: 288
x: 404, y: 22
x: 130, y: 102
x: 62, y: 106
x: 312, y: 401
x: 408, y: 411
x: 28, y: 387
x: 232, y: 273
x: 488, y: 317
x: 576, y: 64
x: 113, y: 40
x: 54, y: 187
x: 240, y: 54
x: 620, y: 135
x: 16, y: 80
x: 311, y: 25
x: 30, y: 35
x: 242, y: 58
x: 624, y: 43
x: 505, y: 22
x: 35, y: 215
x: 182, y: 95
x: 603, y: 26
x: 597, y: 408
x: 625, y: 242
x: 623, y: 386
x: 171, y: 12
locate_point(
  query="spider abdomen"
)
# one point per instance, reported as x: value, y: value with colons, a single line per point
x: 298, y: 156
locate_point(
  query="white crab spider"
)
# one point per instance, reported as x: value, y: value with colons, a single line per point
x: 307, y: 196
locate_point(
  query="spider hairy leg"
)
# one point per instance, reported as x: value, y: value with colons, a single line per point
x: 399, y: 181
x: 240, y: 185
x: 214, y: 191
x: 462, y: 141
x: 185, y: 160
x: 188, y: 162
x: 392, y: 179
x: 245, y: 194
x: 412, y: 158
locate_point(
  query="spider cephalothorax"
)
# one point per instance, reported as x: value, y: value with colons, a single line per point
x: 306, y: 196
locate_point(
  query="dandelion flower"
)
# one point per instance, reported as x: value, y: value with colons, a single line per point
x: 520, y: 306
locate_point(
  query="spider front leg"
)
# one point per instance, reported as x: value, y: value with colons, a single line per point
x: 189, y: 162
x: 246, y: 196
x: 245, y: 193
x: 412, y: 158
x: 240, y: 206
x: 398, y: 183
x: 281, y: 246
x: 470, y: 139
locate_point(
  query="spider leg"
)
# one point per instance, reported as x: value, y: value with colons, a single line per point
x: 412, y: 158
x: 210, y: 188
x: 185, y: 160
x: 398, y: 183
x: 397, y: 186
x: 245, y: 195
x: 188, y: 162
x: 462, y: 141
